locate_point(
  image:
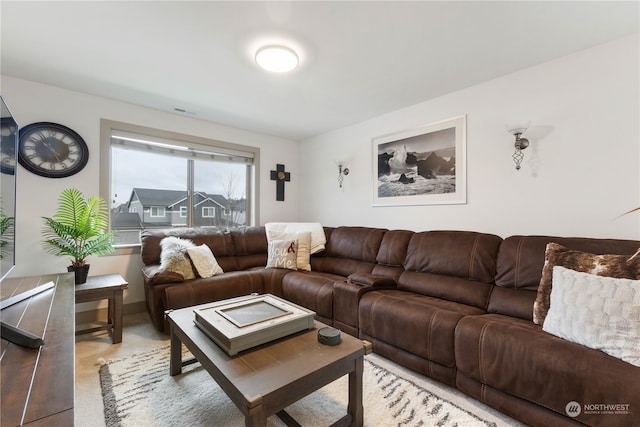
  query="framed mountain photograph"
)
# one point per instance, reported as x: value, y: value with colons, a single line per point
x: 424, y: 166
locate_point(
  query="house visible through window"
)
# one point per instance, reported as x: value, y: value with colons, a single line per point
x: 161, y: 182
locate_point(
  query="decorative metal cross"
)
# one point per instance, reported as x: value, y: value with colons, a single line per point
x: 280, y: 176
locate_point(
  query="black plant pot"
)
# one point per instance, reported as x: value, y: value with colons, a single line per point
x: 81, y: 273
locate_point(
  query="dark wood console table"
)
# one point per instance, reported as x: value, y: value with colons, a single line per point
x: 37, y: 385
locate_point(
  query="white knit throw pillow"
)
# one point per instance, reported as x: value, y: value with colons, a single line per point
x: 599, y: 312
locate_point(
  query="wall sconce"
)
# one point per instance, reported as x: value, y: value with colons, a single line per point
x: 520, y: 144
x: 342, y: 172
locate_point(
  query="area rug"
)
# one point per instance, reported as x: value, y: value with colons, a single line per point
x: 138, y: 391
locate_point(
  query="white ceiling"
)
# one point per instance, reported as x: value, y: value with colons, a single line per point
x: 358, y: 59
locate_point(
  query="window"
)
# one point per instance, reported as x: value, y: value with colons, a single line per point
x: 159, y: 179
x: 157, y: 211
x: 208, y: 212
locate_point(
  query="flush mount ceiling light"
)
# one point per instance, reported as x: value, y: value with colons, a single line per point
x: 276, y: 58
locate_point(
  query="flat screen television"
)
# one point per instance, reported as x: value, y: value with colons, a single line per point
x: 8, y: 150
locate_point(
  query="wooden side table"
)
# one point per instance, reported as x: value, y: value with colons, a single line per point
x: 109, y: 286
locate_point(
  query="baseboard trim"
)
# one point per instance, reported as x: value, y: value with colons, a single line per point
x: 100, y: 314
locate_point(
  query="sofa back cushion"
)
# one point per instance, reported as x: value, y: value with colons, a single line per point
x: 520, y: 263
x: 465, y: 254
x: 349, y: 250
x: 218, y: 241
x: 454, y: 265
x: 392, y: 253
x: 237, y: 249
x: 250, y: 247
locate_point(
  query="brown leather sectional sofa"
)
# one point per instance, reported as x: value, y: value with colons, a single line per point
x: 453, y: 305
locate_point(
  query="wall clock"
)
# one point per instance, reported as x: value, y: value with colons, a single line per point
x: 52, y: 150
x: 8, y: 132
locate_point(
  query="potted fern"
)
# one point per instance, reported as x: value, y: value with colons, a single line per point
x: 78, y: 229
x: 6, y: 226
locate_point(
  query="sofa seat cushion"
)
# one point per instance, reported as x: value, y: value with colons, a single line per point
x: 311, y: 289
x: 419, y: 324
x: 518, y: 358
x: 227, y: 285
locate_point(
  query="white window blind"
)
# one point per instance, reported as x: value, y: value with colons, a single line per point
x: 179, y: 148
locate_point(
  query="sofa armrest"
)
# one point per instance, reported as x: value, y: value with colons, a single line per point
x: 152, y: 275
x: 346, y: 298
x: 373, y: 280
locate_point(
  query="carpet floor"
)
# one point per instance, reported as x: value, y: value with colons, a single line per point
x: 138, y: 391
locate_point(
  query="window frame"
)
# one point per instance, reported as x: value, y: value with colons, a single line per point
x: 158, y: 209
x: 213, y: 209
x: 109, y: 127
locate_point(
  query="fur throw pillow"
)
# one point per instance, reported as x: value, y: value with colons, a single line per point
x: 173, y: 256
x: 616, y: 266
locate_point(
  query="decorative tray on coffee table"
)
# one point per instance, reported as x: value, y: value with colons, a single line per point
x: 241, y: 323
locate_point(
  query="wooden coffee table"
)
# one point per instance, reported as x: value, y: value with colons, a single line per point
x: 264, y: 380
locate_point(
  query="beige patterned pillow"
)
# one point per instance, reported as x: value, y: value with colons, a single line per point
x: 303, y: 246
x: 204, y: 261
x: 282, y: 254
x: 598, y: 312
x: 304, y: 251
x: 617, y: 266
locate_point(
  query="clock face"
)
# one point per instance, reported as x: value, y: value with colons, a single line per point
x: 52, y: 150
x: 8, y: 132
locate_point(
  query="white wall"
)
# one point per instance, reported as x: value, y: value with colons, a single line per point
x: 37, y: 196
x: 580, y: 172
